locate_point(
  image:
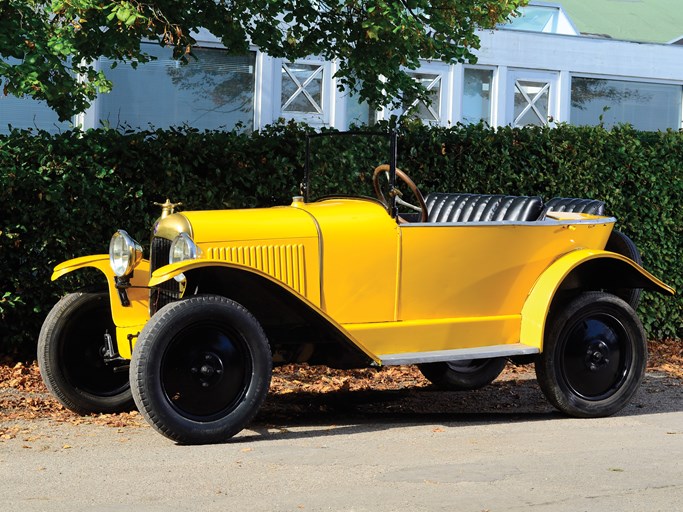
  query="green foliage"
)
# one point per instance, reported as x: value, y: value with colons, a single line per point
x: 55, y: 43
x: 64, y: 195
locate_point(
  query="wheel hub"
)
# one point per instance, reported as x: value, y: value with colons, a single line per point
x: 208, y: 369
x: 597, y: 355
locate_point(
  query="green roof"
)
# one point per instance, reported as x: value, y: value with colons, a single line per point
x: 655, y: 21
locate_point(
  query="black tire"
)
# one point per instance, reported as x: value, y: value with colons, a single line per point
x: 201, y: 369
x: 463, y: 375
x: 594, y: 356
x: 621, y: 244
x: 70, y: 348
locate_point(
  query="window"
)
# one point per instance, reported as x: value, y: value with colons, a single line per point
x: 535, y: 18
x: 215, y: 90
x: 531, y: 103
x: 359, y: 113
x: 306, y: 91
x: 645, y: 106
x: 476, y: 102
x: 302, y: 88
x: 27, y: 113
x: 428, y: 113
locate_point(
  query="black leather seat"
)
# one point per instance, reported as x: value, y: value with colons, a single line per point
x: 444, y: 207
x: 574, y: 204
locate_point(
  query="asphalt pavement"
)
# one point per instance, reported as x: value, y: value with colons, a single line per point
x: 499, y: 449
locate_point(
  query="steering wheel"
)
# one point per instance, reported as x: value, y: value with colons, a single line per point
x: 384, y: 168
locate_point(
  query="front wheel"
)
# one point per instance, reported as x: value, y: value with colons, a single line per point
x: 594, y: 356
x: 201, y: 369
x: 463, y: 375
x: 71, y: 350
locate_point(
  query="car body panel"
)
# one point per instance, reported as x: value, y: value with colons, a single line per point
x: 248, y: 225
x: 537, y: 305
x: 359, y: 246
x: 436, y: 334
x: 398, y: 292
x: 475, y: 270
x: 129, y: 320
x: 179, y: 269
x: 341, y: 254
x: 281, y: 242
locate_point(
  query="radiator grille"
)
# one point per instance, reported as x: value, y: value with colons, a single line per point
x: 166, y: 292
x: 283, y: 262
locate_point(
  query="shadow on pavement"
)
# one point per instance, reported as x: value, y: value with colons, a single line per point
x: 344, y: 412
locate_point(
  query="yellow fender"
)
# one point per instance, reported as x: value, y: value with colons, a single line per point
x: 174, y: 270
x: 129, y: 320
x: 598, y: 269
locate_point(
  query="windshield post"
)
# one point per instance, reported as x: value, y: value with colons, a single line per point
x: 393, y: 206
x: 303, y: 186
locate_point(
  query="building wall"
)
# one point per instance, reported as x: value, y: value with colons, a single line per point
x: 520, y: 78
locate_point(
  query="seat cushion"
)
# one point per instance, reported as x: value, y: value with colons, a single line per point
x: 444, y: 207
x: 575, y: 204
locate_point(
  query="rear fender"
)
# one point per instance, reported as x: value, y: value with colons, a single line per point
x: 584, y: 269
x: 288, y: 317
x: 129, y: 320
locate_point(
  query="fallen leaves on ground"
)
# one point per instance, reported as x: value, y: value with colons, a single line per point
x: 666, y: 356
x: 298, y: 378
x: 23, y: 395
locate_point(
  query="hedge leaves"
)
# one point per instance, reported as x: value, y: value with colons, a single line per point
x: 64, y: 195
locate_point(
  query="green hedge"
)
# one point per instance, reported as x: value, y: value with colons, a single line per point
x: 64, y: 195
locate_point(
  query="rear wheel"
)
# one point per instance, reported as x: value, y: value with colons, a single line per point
x: 621, y: 244
x: 594, y: 356
x: 463, y: 375
x: 71, y: 350
x: 201, y: 369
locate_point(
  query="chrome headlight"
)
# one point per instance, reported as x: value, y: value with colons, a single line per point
x: 183, y: 248
x: 124, y: 253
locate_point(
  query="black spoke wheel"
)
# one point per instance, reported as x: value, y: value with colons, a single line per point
x: 463, y: 375
x: 594, y: 356
x: 201, y: 369
x: 71, y: 350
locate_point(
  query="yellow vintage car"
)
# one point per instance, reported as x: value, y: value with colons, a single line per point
x: 455, y: 283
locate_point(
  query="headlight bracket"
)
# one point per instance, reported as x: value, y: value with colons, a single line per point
x: 122, y: 284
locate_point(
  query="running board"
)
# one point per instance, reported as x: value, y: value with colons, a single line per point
x: 458, y: 355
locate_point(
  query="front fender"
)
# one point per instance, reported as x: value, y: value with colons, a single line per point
x: 258, y: 291
x: 129, y: 320
x: 173, y: 270
x: 98, y: 261
x: 581, y: 269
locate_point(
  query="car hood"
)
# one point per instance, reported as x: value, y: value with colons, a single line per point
x: 252, y: 225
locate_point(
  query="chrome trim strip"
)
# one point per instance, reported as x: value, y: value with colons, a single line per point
x: 458, y: 354
x: 537, y: 223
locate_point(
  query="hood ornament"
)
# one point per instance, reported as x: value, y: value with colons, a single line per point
x: 167, y: 208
